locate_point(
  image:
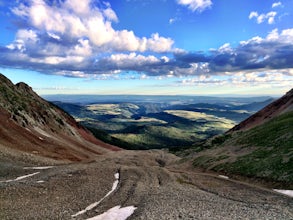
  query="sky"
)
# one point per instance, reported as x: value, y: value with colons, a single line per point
x: 154, y: 47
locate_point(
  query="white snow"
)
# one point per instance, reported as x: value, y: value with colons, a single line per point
x: 26, y: 176
x: 20, y: 178
x: 38, y: 168
x: 41, y: 138
x: 286, y: 192
x: 40, y: 181
x: 115, y: 213
x: 93, y: 205
x: 224, y: 177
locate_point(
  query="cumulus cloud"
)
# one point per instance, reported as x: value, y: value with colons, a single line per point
x: 260, y: 18
x: 196, y: 5
x: 51, y: 44
x: 273, y: 52
x: 74, y: 20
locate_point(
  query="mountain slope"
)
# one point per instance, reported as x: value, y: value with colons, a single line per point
x: 30, y: 124
x: 278, y: 107
x: 261, y: 146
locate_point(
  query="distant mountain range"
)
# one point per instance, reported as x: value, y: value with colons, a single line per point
x: 30, y: 124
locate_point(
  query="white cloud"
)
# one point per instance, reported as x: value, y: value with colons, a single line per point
x: 196, y: 5
x: 54, y: 36
x: 83, y: 48
x: 27, y: 35
x: 74, y: 19
x: 253, y: 14
x: 260, y: 18
x: 159, y: 44
x: 79, y: 7
x: 271, y: 17
x: 276, y: 4
x: 125, y: 61
x: 172, y: 20
x: 110, y: 14
x: 226, y: 48
x: 165, y: 59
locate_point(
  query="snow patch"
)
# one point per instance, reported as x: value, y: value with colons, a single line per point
x: 116, y: 213
x: 224, y: 177
x: 286, y: 192
x: 38, y: 168
x: 20, y: 178
x: 93, y: 205
x: 41, y: 138
x: 40, y: 181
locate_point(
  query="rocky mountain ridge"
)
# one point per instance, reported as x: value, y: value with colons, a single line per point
x: 31, y: 124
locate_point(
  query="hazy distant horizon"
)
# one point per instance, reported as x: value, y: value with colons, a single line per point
x: 168, y: 95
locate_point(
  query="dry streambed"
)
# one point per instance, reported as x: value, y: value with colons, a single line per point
x: 134, y: 185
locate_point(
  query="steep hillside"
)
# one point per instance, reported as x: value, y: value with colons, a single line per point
x: 278, y: 107
x: 30, y: 124
x: 261, y: 146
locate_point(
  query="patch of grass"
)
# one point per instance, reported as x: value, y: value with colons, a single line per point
x: 203, y: 161
x: 273, y: 155
x: 102, y: 135
x: 218, y: 140
x: 275, y: 133
x: 182, y: 181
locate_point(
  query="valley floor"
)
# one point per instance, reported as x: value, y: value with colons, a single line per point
x: 150, y: 181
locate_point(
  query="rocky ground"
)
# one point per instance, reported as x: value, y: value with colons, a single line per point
x: 151, y: 181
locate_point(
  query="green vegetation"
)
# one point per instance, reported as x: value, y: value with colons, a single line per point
x: 102, y: 135
x: 278, y: 132
x: 269, y: 151
x: 175, y: 123
x: 220, y: 139
x: 129, y: 126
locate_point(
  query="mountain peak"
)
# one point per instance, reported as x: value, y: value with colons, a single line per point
x: 23, y: 86
x: 25, y: 89
x: 5, y: 81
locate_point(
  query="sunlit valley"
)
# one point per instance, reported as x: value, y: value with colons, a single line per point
x: 155, y: 122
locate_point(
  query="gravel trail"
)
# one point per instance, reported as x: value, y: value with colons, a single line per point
x: 147, y: 181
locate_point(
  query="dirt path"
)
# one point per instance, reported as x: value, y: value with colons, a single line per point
x: 146, y: 181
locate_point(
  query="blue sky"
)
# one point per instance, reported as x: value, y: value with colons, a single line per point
x: 194, y: 47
